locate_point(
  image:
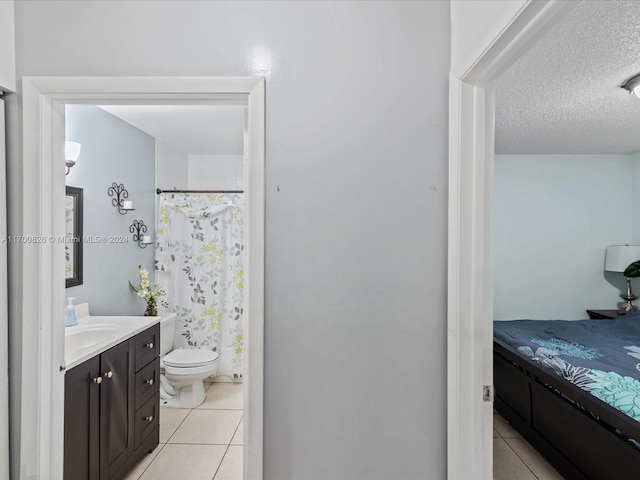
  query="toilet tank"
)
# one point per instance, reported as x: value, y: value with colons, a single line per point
x: 167, y: 329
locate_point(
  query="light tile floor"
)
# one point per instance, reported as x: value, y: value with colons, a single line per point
x: 514, y: 458
x: 204, y: 443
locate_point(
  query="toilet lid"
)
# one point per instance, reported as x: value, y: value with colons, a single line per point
x: 189, y: 357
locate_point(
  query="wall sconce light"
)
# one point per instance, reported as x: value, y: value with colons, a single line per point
x: 138, y: 228
x: 632, y: 85
x: 71, y: 153
x: 119, y: 201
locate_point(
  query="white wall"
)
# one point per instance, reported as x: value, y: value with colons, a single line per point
x: 171, y: 167
x: 356, y: 159
x: 112, y: 151
x: 215, y: 172
x: 474, y: 23
x: 635, y: 161
x: 554, y: 216
x: 7, y: 47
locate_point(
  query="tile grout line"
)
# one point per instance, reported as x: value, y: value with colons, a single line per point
x: 204, y: 444
x: 225, y: 409
x: 220, y: 464
x: 164, y: 444
x: 505, y: 439
x: 154, y: 459
x: 236, y: 431
x: 520, y: 437
x: 179, y: 425
x: 228, y: 445
x: 521, y: 459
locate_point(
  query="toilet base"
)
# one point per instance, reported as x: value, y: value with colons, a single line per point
x: 191, y: 396
x: 171, y: 402
x: 180, y: 394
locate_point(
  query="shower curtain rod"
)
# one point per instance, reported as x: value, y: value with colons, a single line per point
x: 159, y: 191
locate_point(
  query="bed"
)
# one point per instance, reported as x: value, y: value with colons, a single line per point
x: 572, y: 389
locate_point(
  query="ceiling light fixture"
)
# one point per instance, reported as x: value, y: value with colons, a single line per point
x: 632, y: 85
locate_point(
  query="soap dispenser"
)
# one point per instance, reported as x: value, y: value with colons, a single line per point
x: 70, y: 313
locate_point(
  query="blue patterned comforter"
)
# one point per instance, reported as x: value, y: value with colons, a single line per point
x: 601, y: 357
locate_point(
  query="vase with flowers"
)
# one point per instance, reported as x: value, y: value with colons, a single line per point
x: 149, y: 292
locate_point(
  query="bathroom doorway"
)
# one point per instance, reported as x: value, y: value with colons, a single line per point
x: 181, y: 170
x: 44, y: 103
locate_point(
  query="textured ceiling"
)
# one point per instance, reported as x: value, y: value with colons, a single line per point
x: 564, y: 95
x: 190, y: 129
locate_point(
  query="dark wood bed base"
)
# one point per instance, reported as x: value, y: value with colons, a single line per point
x: 575, y: 442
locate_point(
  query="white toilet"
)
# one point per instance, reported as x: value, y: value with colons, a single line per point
x: 183, y: 370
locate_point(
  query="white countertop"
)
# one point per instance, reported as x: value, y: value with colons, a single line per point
x: 94, y: 335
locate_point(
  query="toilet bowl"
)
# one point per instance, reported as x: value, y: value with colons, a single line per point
x: 183, y: 370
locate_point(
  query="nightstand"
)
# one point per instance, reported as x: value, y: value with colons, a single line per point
x: 603, y: 314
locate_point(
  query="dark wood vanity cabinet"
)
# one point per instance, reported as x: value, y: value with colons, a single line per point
x: 81, y: 421
x: 112, y: 402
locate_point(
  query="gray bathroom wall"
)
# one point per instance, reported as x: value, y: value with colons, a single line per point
x: 112, y: 151
x: 356, y: 152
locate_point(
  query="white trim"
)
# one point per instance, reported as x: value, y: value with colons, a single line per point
x: 41, y: 448
x: 4, y: 316
x: 470, y: 271
x: 254, y: 339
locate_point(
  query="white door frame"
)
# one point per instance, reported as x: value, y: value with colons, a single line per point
x: 4, y: 314
x: 470, y: 271
x: 42, y: 417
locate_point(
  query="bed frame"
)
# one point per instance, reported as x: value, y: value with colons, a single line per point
x: 540, y: 406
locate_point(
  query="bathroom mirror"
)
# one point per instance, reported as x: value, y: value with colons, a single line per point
x: 73, y: 237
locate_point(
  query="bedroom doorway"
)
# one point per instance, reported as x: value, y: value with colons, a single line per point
x: 44, y: 100
x: 548, y: 164
x: 470, y: 273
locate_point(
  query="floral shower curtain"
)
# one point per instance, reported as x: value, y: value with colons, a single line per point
x: 200, y: 243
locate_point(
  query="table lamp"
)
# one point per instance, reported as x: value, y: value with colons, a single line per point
x: 617, y: 259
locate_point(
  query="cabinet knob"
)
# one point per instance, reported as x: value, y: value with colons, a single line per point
x: 149, y: 345
x: 149, y: 418
x: 97, y: 380
x: 108, y: 374
x: 149, y: 382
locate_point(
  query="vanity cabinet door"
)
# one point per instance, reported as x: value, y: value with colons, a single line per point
x: 116, y: 408
x: 81, y: 421
x: 111, y: 410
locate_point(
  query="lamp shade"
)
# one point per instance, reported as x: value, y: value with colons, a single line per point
x: 71, y: 150
x: 619, y: 257
x: 632, y: 85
